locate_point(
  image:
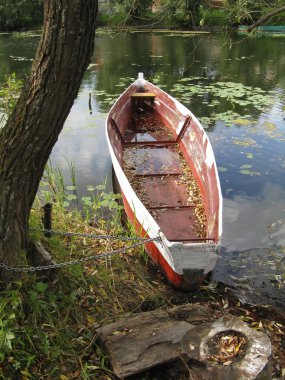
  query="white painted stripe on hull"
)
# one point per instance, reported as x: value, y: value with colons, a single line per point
x: 177, y: 254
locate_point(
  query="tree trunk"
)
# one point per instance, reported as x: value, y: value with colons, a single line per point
x: 33, y: 128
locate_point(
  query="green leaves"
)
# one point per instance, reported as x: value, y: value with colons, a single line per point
x: 9, y: 93
x: 245, y: 169
x: 6, y: 335
x: 20, y: 14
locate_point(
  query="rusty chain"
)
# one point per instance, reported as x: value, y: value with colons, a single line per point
x: 104, y: 255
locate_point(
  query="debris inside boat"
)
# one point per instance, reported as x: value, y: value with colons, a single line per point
x: 157, y: 170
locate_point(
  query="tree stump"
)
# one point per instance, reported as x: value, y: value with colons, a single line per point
x: 138, y: 343
x: 141, y: 342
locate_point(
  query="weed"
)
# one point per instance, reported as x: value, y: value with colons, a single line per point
x: 49, y: 328
x: 9, y: 94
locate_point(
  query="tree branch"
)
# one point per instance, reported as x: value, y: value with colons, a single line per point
x: 265, y: 18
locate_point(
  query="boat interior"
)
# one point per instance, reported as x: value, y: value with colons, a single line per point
x: 159, y: 173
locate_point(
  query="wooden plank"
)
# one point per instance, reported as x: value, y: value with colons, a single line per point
x: 176, y: 174
x: 164, y: 192
x: 161, y: 143
x: 177, y: 224
x: 137, y: 343
x: 151, y: 95
x: 183, y: 129
x: 116, y: 128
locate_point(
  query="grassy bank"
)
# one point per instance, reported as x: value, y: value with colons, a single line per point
x: 48, y: 328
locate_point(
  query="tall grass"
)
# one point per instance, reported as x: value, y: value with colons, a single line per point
x: 47, y: 328
x: 9, y: 94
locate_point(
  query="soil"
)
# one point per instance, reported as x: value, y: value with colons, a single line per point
x: 220, y: 301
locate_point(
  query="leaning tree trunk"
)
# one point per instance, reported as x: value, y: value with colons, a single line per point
x: 266, y: 17
x: 33, y: 128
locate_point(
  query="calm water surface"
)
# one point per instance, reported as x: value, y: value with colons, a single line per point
x: 245, y: 124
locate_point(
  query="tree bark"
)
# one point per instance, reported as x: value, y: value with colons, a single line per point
x: 33, y: 128
x: 265, y: 18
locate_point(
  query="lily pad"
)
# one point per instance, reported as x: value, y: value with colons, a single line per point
x: 222, y: 169
x: 242, y: 121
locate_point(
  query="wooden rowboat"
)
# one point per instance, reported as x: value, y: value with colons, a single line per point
x: 166, y: 171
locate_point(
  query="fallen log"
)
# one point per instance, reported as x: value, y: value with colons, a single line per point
x: 224, y: 349
x: 141, y: 342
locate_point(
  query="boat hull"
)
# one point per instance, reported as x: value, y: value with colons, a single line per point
x: 185, y: 264
x: 190, y: 278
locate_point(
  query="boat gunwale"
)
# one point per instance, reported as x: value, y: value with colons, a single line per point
x: 133, y: 200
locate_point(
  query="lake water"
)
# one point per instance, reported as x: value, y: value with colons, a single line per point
x: 236, y: 86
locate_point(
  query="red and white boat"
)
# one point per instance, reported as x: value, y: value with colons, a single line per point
x: 166, y: 171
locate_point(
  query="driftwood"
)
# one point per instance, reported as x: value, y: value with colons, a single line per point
x: 38, y: 256
x: 136, y: 344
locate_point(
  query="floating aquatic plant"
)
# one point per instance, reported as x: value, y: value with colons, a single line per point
x: 236, y: 94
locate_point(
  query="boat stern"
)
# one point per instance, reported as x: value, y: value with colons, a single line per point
x: 193, y: 262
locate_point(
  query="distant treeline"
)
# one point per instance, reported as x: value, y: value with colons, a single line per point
x: 20, y: 14
x: 187, y: 14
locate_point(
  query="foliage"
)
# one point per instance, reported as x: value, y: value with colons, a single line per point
x: 134, y: 9
x: 50, y: 327
x: 17, y: 14
x: 248, y: 11
x: 183, y: 12
x: 189, y: 13
x: 111, y: 20
x: 9, y: 94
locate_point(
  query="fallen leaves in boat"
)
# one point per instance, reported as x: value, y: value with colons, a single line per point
x: 141, y: 162
x: 194, y: 197
x: 145, y: 127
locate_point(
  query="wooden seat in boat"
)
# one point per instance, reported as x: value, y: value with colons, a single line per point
x: 146, y: 95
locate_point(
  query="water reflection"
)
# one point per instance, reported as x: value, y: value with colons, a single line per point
x: 249, y: 150
x: 255, y: 221
x: 83, y: 143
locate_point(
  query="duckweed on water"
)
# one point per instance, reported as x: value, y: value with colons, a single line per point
x: 106, y: 100
x: 236, y: 94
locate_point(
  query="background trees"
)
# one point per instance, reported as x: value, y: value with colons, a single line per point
x: 194, y: 13
x: 17, y: 14
x: 248, y: 11
x: 134, y: 9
